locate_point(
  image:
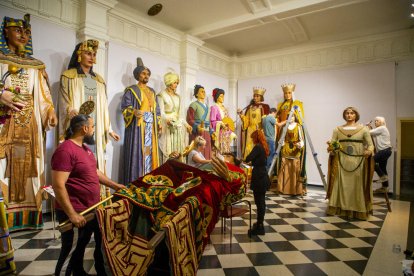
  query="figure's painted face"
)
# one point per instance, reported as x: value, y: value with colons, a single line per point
x: 17, y: 38
x: 377, y: 123
x: 220, y: 98
x: 144, y: 76
x: 287, y: 95
x: 201, y: 95
x: 350, y: 115
x: 256, y: 98
x: 174, y: 85
x: 88, y: 58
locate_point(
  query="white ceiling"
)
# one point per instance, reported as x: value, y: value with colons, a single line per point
x: 244, y: 27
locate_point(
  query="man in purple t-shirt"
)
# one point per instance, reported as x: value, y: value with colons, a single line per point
x: 75, y: 180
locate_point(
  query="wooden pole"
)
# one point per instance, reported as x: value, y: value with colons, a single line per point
x: 67, y: 225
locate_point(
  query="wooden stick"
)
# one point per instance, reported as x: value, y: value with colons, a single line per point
x: 62, y: 228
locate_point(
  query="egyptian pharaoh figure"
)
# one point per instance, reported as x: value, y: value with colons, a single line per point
x: 22, y: 139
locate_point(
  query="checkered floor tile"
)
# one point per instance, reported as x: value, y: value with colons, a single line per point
x: 300, y: 240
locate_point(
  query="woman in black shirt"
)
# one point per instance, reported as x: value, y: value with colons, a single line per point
x: 260, y: 180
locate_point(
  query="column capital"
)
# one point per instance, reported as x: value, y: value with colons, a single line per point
x: 192, y: 40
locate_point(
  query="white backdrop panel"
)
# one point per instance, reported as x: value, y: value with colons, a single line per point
x: 325, y: 94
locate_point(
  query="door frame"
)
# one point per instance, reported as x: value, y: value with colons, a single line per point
x: 397, y: 168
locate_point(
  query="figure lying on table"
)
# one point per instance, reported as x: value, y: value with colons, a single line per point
x: 179, y: 199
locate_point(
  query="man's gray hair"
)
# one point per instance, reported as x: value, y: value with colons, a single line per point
x: 381, y: 120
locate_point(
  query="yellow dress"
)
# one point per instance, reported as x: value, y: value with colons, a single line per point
x: 251, y: 121
x: 289, y: 180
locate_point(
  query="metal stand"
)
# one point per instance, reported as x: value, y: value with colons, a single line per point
x: 56, y: 239
x: 282, y: 139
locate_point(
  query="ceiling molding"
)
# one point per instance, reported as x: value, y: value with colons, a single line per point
x: 295, y: 29
x: 380, y: 48
x: 65, y: 12
x: 142, y: 37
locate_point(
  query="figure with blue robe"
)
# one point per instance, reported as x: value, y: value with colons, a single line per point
x: 141, y: 116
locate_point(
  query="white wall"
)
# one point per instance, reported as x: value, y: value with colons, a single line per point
x: 405, y: 88
x: 325, y: 94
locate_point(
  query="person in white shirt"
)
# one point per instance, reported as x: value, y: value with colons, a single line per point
x: 195, y: 157
x: 381, y: 137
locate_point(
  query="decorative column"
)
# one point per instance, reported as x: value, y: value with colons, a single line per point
x: 232, y: 93
x: 94, y: 25
x: 188, y: 69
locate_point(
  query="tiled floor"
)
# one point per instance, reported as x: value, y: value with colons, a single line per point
x: 300, y: 240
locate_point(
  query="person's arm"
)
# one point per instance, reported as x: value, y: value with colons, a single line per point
x: 104, y: 180
x: 59, y: 179
x: 252, y: 155
x: 376, y: 131
x: 281, y: 123
x: 197, y: 159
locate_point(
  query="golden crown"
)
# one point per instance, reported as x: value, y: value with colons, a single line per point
x: 288, y: 87
x: 89, y: 45
x: 259, y: 91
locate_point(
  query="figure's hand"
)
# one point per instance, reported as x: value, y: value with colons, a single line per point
x: 73, y: 113
x: 159, y: 129
x: 77, y: 220
x: 220, y: 168
x: 138, y: 113
x: 174, y: 155
x: 239, y: 111
x: 329, y: 148
x: 168, y: 121
x: 114, y: 136
x: 11, y: 100
x: 367, y: 153
x: 199, y: 130
x: 51, y: 118
x: 189, y: 129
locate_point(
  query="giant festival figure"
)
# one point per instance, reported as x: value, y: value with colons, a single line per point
x: 198, y: 116
x: 141, y: 114
x: 252, y: 119
x: 174, y: 136
x: 24, y: 86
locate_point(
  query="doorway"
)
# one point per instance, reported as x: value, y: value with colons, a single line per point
x: 405, y: 160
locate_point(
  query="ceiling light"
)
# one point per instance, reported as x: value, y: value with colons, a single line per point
x: 154, y: 10
x: 412, y: 14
